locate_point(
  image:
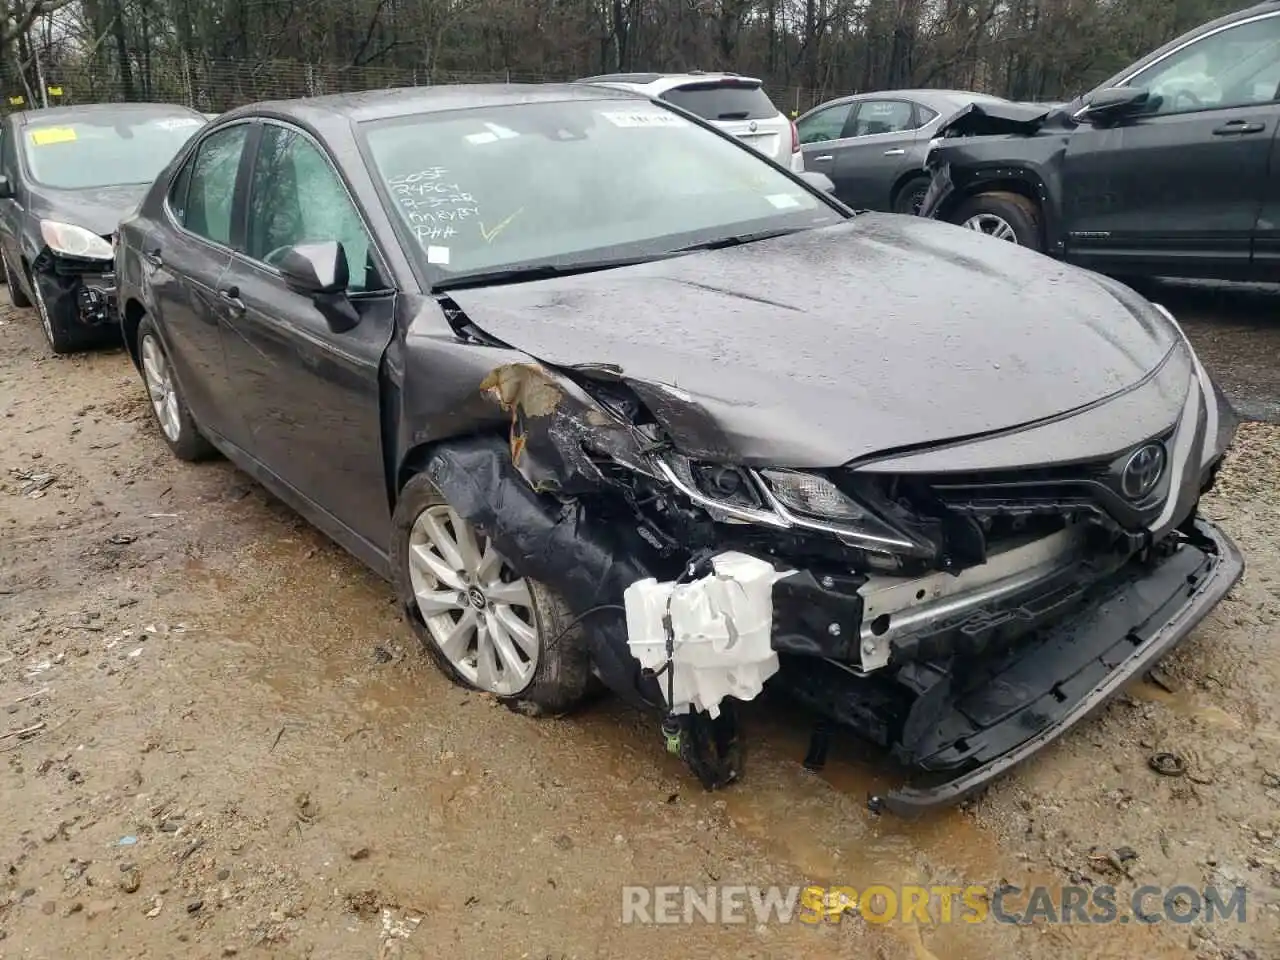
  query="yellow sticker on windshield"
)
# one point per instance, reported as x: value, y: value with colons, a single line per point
x: 48, y: 135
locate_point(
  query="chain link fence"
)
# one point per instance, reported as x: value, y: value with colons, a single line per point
x: 212, y: 86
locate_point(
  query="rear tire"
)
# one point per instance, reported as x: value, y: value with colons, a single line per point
x: 910, y: 196
x: 560, y: 678
x: 1003, y: 215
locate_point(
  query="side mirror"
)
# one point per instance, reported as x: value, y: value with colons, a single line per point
x: 819, y: 181
x: 6, y: 188
x: 314, y: 269
x: 1112, y: 103
x: 320, y: 271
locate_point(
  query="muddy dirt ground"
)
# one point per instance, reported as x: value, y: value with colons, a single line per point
x: 218, y: 740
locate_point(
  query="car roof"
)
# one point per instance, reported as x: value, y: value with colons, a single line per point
x: 409, y: 101
x: 930, y: 98
x: 662, y: 82
x: 65, y: 114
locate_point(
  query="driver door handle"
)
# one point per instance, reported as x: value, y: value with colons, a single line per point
x: 1232, y: 127
x: 153, y: 257
x: 231, y: 297
x: 824, y: 157
x: 895, y: 152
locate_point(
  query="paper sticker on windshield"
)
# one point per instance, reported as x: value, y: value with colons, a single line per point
x: 48, y: 135
x: 502, y: 133
x: 643, y: 118
x: 178, y: 123
x: 438, y: 255
x: 783, y: 201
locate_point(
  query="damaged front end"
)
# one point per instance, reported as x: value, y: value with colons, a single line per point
x: 995, y: 143
x: 959, y: 620
x: 76, y: 273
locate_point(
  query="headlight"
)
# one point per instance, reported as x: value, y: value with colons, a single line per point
x: 73, y: 241
x: 786, y: 499
x: 811, y: 495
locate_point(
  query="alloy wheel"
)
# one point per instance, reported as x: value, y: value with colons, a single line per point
x: 478, y: 612
x: 992, y: 226
x: 164, y: 399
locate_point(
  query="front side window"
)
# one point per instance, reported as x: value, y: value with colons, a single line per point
x: 571, y: 182
x: 211, y: 184
x: 1235, y: 67
x: 297, y: 197
x: 882, y: 116
x: 723, y: 100
x: 824, y: 124
x: 130, y: 146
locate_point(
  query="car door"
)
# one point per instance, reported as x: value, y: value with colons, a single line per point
x: 864, y: 161
x: 1266, y: 238
x: 185, y: 252
x: 819, y: 133
x: 1178, y: 186
x: 309, y: 396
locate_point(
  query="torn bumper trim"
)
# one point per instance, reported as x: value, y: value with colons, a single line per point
x: 1170, y: 602
x: 940, y: 188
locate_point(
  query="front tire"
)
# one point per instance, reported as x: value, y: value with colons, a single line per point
x: 911, y: 196
x: 16, y: 296
x: 1004, y: 216
x: 486, y: 627
x: 177, y: 426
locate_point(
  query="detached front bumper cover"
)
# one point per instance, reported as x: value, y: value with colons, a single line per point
x: 1073, y: 670
x: 77, y: 290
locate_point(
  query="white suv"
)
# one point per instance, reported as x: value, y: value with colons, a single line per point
x: 737, y: 105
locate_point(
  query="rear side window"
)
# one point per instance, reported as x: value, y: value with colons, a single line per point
x: 723, y: 100
x: 211, y: 184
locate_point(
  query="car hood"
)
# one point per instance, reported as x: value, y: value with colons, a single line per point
x: 98, y: 209
x: 987, y: 119
x: 829, y: 345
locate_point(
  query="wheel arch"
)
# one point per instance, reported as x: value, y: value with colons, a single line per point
x: 1023, y: 181
x: 130, y: 319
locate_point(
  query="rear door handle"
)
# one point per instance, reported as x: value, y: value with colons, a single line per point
x: 895, y: 152
x: 231, y: 297
x: 1233, y: 127
x: 823, y: 158
x: 153, y: 257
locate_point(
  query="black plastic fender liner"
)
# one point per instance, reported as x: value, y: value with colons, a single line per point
x: 588, y: 562
x: 1074, y: 670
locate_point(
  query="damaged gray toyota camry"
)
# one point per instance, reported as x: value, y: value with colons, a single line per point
x: 615, y: 401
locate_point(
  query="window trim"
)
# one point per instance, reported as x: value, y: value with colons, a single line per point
x: 850, y: 104
x: 193, y: 154
x: 381, y: 264
x: 890, y: 133
x: 1130, y: 77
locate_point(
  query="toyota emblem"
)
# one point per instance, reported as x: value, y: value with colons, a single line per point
x: 753, y: 126
x: 1142, y: 471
